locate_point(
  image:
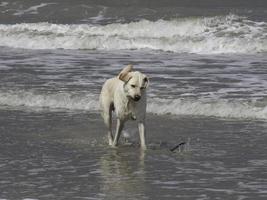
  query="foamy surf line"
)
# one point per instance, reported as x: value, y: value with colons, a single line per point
x: 202, y: 35
x: 49, y: 101
x: 88, y: 102
x: 219, y: 108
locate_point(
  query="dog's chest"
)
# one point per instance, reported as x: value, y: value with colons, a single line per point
x: 126, y: 110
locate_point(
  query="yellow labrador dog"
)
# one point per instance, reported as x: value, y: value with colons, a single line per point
x: 126, y: 96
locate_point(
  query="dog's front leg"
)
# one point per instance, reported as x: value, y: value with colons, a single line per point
x: 142, y: 134
x: 119, y: 127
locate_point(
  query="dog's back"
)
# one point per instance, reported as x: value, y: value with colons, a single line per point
x: 106, y: 98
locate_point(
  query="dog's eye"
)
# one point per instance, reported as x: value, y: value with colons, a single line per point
x: 142, y: 88
x: 133, y: 86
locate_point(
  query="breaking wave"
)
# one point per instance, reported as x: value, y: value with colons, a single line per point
x: 224, y: 109
x: 201, y: 35
x: 89, y: 102
x: 49, y: 101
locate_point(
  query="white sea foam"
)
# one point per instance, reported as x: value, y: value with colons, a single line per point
x: 31, y: 10
x: 219, y: 108
x: 157, y: 106
x: 49, y: 101
x: 203, y: 35
x: 2, y: 4
x: 100, y: 16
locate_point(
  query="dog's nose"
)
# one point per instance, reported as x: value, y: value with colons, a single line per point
x: 137, y: 97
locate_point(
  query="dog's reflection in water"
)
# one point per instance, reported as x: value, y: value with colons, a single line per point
x: 123, y: 172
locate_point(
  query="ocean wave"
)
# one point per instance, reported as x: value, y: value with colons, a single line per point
x: 220, y: 108
x: 202, y: 35
x: 31, y: 10
x: 89, y: 102
x: 49, y: 101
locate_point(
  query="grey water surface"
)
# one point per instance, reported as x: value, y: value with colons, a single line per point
x: 207, y: 66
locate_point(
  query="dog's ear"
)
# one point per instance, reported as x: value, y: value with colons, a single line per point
x: 124, y: 74
x: 145, y: 82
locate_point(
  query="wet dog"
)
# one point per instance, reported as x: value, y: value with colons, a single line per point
x: 126, y: 96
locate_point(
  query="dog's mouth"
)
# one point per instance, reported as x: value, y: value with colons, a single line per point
x: 135, y: 98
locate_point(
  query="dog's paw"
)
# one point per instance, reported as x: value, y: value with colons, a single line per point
x: 114, y: 146
x: 133, y: 117
x: 110, y: 142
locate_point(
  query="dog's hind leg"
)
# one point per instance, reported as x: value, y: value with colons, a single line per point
x: 108, y: 121
x: 119, y: 128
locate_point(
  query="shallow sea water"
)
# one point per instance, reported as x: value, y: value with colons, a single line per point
x: 206, y: 62
x: 64, y: 155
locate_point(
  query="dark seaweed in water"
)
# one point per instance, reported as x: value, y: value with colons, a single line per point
x: 177, y: 146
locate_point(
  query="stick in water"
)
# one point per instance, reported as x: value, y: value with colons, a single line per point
x: 177, y: 146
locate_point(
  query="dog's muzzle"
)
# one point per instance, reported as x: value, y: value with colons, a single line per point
x: 137, y: 97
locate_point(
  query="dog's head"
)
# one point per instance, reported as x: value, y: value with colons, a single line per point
x: 135, y: 83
